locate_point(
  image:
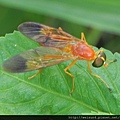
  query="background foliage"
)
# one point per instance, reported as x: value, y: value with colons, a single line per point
x: 99, y: 20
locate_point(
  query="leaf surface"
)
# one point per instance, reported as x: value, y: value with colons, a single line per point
x: 48, y: 93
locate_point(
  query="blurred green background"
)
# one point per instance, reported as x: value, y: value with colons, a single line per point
x: 99, y: 20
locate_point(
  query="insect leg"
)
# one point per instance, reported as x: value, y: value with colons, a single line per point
x: 31, y: 77
x: 60, y: 29
x: 97, y: 76
x: 83, y: 36
x: 68, y: 67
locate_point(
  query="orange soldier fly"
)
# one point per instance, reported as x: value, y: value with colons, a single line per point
x: 56, y: 46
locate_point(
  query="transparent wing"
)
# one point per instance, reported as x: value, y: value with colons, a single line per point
x: 34, y: 59
x: 45, y: 35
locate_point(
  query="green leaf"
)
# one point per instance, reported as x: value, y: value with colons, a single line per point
x: 48, y: 93
x: 103, y: 14
x: 96, y: 113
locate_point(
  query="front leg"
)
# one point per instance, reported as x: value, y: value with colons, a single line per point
x: 67, y: 68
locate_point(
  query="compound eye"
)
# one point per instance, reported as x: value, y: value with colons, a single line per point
x: 98, y: 62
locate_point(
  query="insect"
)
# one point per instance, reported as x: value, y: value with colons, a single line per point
x: 56, y: 46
